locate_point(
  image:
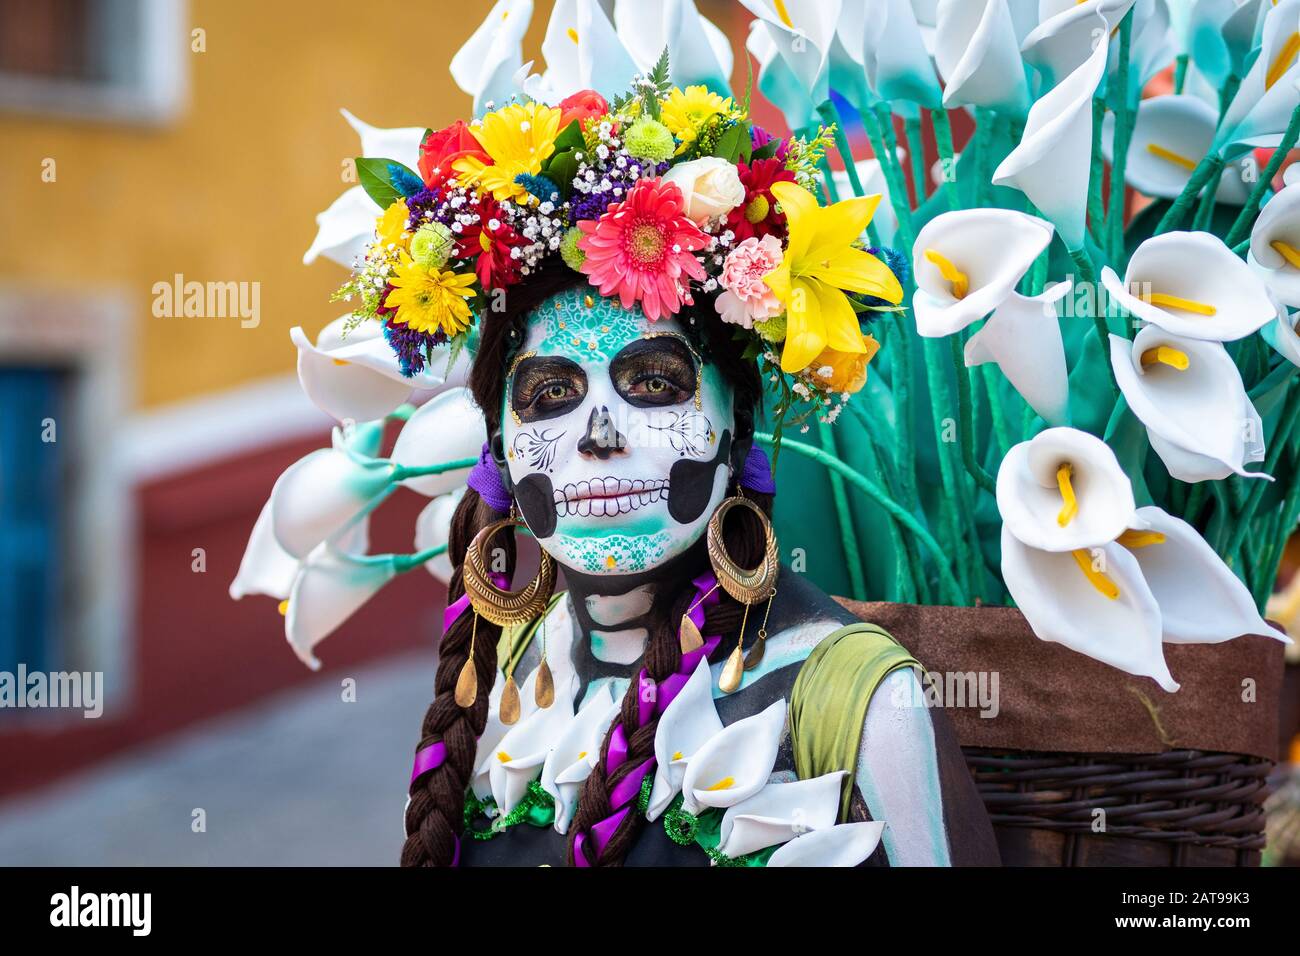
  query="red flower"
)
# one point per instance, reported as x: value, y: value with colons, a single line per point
x: 641, y: 248
x: 442, y: 148
x: 488, y: 243
x: 757, y: 215
x: 582, y: 105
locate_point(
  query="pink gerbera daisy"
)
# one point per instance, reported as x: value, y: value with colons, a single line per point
x: 641, y: 247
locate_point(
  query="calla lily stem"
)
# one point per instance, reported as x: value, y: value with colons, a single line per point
x: 402, y: 472
x: 965, y: 423
x: 1241, y: 227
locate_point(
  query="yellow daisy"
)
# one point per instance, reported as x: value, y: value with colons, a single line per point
x: 685, y: 112
x: 518, y: 138
x: 391, y: 226
x: 429, y: 299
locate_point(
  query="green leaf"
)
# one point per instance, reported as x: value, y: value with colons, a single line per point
x: 376, y: 180
x: 729, y: 142
x: 766, y: 151
x: 570, y: 138
x: 561, y: 169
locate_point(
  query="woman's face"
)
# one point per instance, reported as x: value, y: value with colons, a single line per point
x: 617, y: 437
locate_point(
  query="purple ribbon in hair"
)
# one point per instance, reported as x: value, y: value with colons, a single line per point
x: 485, y: 478
x: 757, y: 474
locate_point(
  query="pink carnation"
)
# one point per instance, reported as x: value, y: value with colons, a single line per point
x: 748, y: 299
x: 641, y: 249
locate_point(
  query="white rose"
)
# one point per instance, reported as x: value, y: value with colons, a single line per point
x: 711, y: 186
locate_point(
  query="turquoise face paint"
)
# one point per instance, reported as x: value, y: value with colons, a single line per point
x: 592, y: 459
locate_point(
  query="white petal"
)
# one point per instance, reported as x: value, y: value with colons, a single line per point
x: 780, y: 812
x: 1063, y: 38
x: 1052, y: 163
x: 804, y: 44
x: 1259, y: 112
x: 1023, y: 335
x: 1201, y: 600
x: 1063, y: 607
x: 978, y: 55
x: 897, y: 62
x: 1279, y: 221
x: 686, y: 723
x: 320, y: 494
x: 266, y: 568
x: 1202, y: 410
x: 741, y: 755
x: 522, y: 751
x: 400, y: 143
x: 330, y: 587
x: 485, y: 66
x: 993, y: 247
x: 777, y: 81
x: 344, y: 229
x: 1029, y: 496
x: 433, y: 529
x: 698, y: 52
x: 575, y: 752
x: 343, y: 382
x: 447, y: 427
x: 595, y: 60
x: 846, y: 844
x: 1199, y: 267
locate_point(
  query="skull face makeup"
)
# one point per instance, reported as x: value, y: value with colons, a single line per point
x: 616, y: 434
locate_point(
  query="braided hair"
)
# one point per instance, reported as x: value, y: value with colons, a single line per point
x: 434, y: 816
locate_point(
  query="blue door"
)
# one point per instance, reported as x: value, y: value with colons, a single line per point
x: 31, y: 515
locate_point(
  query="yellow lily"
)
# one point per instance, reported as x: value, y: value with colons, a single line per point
x: 819, y: 265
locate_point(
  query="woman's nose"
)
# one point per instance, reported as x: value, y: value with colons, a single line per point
x: 602, y: 438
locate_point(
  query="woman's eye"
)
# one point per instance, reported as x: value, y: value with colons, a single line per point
x: 658, y: 389
x: 556, y: 392
x: 656, y: 385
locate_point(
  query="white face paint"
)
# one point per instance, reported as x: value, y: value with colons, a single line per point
x: 616, y: 435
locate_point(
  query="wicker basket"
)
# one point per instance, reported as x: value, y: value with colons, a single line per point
x: 1085, y: 765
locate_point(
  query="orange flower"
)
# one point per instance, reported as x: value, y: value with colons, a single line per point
x: 844, y: 371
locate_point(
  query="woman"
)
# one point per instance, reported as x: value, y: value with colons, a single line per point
x: 616, y: 439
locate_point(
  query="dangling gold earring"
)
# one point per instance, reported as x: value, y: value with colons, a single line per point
x: 506, y: 608
x: 746, y: 585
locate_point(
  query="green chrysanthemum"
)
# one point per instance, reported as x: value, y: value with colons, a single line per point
x: 573, y: 256
x: 773, y: 330
x: 649, y: 139
x: 432, y: 244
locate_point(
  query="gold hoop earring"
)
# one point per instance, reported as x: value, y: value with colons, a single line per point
x: 746, y: 585
x: 504, y: 608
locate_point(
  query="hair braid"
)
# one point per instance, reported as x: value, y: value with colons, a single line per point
x: 434, y: 817
x: 745, y: 541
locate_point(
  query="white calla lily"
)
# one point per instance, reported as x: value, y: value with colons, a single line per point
x: 686, y: 723
x: 847, y: 63
x: 780, y: 812
x: 582, y: 52
x: 357, y: 377
x: 329, y: 588
x: 433, y: 530
x: 967, y: 263
x: 1051, y: 164
x: 486, y: 65
x: 777, y: 81
x: 1201, y: 600
x: 446, y: 428
x: 1064, y: 490
x: 576, y: 752
x: 978, y: 56
x: 802, y: 34
x: 1023, y: 336
x: 520, y: 754
x: 1094, y: 601
x: 266, y: 568
x: 1221, y: 35
x: 321, y: 494
x: 1275, y: 245
x: 698, y: 52
x: 1065, y: 34
x: 894, y: 54
x: 845, y: 844
x: 1191, y: 284
x: 1284, y: 336
x: 735, y: 763
x: 1189, y: 395
x: 344, y: 229
x: 1152, y: 45
x: 1262, y: 107
x: 1171, y: 134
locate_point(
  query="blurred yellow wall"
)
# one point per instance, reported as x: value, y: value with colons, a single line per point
x: 229, y: 191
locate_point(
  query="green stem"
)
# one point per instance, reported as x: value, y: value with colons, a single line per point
x: 877, y: 494
x: 947, y: 155
x: 1210, y: 166
x: 1001, y: 426
x: 1089, y: 279
x: 1285, y: 425
x: 402, y: 472
x: 848, y: 534
x: 1241, y: 227
x: 967, y: 439
x: 1180, y: 72
x: 1124, y: 117
x: 407, y: 562
x: 916, y: 151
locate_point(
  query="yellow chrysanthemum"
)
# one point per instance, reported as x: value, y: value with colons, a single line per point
x: 685, y: 112
x: 820, y: 263
x: 429, y: 299
x: 391, y: 226
x: 519, y: 138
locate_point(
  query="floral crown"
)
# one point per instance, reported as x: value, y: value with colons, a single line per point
x: 654, y: 197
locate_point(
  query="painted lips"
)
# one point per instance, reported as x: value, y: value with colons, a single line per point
x: 608, y: 496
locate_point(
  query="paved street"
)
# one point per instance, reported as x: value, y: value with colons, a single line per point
x: 302, y: 778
